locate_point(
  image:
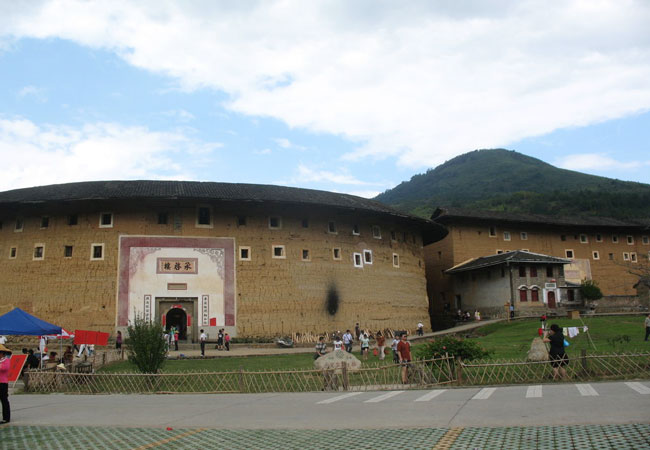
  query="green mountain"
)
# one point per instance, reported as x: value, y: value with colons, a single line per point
x: 504, y: 180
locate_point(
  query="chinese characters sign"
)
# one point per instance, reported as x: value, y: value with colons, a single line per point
x: 177, y: 265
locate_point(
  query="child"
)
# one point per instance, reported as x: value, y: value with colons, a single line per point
x: 227, y: 340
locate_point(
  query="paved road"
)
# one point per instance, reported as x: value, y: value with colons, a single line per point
x: 549, y: 404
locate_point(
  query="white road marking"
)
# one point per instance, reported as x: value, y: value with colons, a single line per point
x: 383, y: 397
x: 336, y: 399
x: 484, y: 394
x: 534, y: 391
x: 586, y: 390
x: 640, y: 388
x: 430, y: 395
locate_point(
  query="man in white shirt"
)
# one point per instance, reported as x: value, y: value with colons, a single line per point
x: 347, y: 341
x: 203, y: 338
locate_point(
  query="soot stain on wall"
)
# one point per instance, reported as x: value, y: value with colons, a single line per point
x: 332, y: 301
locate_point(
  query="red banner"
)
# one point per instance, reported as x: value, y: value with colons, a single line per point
x: 213, y: 321
x: 17, y: 363
x: 90, y: 337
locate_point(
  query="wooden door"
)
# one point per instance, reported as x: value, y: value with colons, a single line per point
x: 551, y: 299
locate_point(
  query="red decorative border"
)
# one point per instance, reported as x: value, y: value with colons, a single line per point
x: 127, y: 242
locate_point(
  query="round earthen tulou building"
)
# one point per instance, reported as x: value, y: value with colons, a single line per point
x: 257, y: 260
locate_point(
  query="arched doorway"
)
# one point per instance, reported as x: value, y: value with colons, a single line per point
x: 551, y: 299
x: 177, y: 317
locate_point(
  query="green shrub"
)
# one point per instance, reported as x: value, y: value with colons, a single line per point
x: 453, y: 346
x: 146, y: 347
x: 590, y: 291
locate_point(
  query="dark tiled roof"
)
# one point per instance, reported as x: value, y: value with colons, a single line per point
x: 196, y: 190
x: 451, y: 215
x: 517, y: 256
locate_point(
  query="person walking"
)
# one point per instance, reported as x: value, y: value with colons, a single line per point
x: 347, y: 341
x: 393, y: 347
x: 365, y: 346
x: 202, y: 338
x: 404, y: 352
x: 5, y: 365
x: 381, y: 343
x: 557, y: 355
x: 647, y: 326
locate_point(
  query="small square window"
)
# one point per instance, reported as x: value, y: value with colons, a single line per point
x: 626, y: 256
x: 506, y: 235
x: 275, y: 222
x: 244, y: 253
x: 305, y: 223
x: 614, y: 239
x: 493, y: 231
x: 630, y: 240
x: 376, y: 232
x: 204, y: 217
x: 568, y: 253
x: 73, y: 219
x: 533, y: 271
x: 241, y: 221
x: 633, y: 257
x: 645, y: 240
x: 499, y: 251
x: 395, y: 260
x: 599, y: 238
x: 549, y: 271
x: 595, y: 255
x: 278, y: 252
x: 305, y: 255
x: 563, y: 237
x: 356, y: 259
x: 163, y: 218
x: 524, y: 236
x: 393, y: 235
x: 67, y: 251
x: 355, y: 230
x: 367, y: 256
x: 106, y: 220
x: 331, y: 227
x: 39, y: 251
x: 610, y: 256
x: 584, y: 239
x: 13, y: 251
x: 96, y: 252
x: 522, y: 271
x: 336, y: 253
x: 45, y: 222
x: 19, y: 225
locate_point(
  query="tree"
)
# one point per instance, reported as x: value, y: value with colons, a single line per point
x: 590, y: 291
x: 146, y: 346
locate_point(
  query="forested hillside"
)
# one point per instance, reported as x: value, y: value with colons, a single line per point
x: 503, y: 180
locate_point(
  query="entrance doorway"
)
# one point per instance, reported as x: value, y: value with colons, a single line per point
x: 551, y: 299
x: 177, y: 317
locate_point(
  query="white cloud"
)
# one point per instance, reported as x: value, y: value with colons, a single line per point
x: 32, y: 91
x: 365, y: 194
x: 422, y: 81
x: 179, y: 114
x: 34, y: 155
x: 286, y: 143
x: 265, y: 151
x: 597, y: 161
x: 308, y: 175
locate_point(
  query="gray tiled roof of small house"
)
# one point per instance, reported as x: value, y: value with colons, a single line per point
x: 206, y: 191
x: 514, y: 257
x: 446, y: 215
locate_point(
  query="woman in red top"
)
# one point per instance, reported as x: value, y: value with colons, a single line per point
x: 404, y: 352
x: 5, y: 364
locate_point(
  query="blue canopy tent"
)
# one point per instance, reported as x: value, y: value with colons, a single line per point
x: 18, y: 322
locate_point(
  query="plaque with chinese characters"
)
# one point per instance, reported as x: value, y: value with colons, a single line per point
x: 178, y: 265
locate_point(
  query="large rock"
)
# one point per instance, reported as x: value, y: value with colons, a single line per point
x: 336, y: 359
x: 538, y: 351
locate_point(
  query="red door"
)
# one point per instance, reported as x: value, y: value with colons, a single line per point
x: 551, y: 299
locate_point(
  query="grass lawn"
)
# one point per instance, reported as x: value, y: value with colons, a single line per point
x: 506, y: 340
x: 512, y: 340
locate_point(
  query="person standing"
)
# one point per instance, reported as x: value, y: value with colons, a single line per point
x: 420, y: 329
x: 647, y: 326
x: 557, y: 355
x: 220, y: 339
x: 365, y: 345
x: 338, y: 343
x: 357, y: 331
x: 381, y: 343
x: 176, y: 339
x: 404, y: 352
x: 393, y: 347
x: 226, y: 339
x: 5, y: 365
x: 347, y: 341
x: 320, y: 347
x: 512, y: 311
x: 202, y: 338
x: 118, y: 340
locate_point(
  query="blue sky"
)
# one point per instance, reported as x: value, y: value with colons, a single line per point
x: 318, y: 94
